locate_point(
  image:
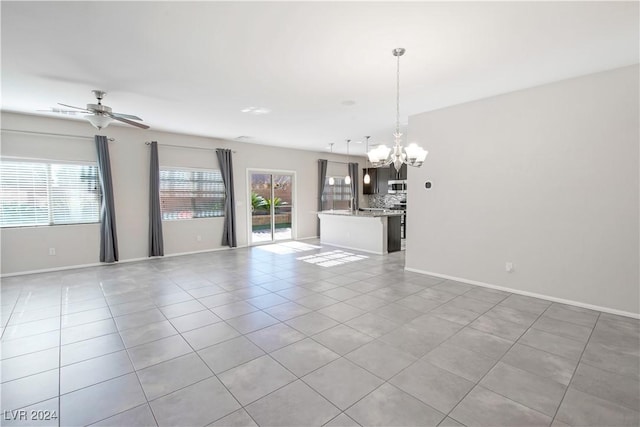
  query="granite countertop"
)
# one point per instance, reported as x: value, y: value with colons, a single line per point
x: 367, y: 213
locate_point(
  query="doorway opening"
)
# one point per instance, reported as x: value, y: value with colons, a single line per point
x: 272, y: 206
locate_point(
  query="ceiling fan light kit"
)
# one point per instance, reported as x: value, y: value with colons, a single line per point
x: 412, y: 155
x: 98, y: 120
x: 100, y: 116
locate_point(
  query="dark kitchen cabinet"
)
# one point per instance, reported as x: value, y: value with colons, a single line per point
x: 398, y: 175
x: 394, y: 233
x: 380, y: 179
x: 383, y: 178
x: 372, y: 187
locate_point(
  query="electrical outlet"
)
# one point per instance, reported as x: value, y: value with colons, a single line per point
x: 52, y: 251
x: 508, y: 267
x: 199, y: 238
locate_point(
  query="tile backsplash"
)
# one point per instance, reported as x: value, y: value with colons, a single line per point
x: 384, y: 200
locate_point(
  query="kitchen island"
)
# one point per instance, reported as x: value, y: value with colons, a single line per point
x: 374, y: 231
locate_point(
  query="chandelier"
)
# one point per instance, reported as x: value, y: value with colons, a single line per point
x: 412, y: 155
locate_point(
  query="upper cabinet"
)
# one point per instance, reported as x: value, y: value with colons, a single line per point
x: 402, y: 174
x: 372, y: 187
x: 380, y: 177
x: 383, y: 180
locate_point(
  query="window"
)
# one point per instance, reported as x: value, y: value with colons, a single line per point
x: 336, y: 196
x: 191, y: 193
x: 38, y: 193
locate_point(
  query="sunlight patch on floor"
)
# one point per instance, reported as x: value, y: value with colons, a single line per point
x: 288, y: 247
x: 332, y: 258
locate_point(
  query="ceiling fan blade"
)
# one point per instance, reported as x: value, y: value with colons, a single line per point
x: 129, y: 122
x: 127, y: 116
x: 61, y: 111
x: 71, y: 106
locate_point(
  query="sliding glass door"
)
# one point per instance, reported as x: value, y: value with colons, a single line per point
x: 271, y: 201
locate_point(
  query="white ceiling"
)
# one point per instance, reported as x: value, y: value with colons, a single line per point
x: 191, y: 67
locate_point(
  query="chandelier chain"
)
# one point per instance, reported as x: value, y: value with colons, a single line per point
x: 398, y: 96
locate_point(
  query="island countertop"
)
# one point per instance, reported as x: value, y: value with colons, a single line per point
x: 376, y: 231
x: 366, y: 214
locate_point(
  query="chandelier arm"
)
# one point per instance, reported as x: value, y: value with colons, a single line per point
x: 383, y: 163
x: 398, y: 95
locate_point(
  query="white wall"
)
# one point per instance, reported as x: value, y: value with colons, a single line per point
x: 26, y: 249
x: 546, y: 178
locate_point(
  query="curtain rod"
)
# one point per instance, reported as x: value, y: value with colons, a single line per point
x: 342, y: 163
x: 62, y: 135
x: 184, y: 146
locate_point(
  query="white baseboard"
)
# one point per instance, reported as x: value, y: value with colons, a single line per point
x: 124, y: 261
x: 353, y: 249
x: 224, y: 248
x: 529, y: 294
x: 50, y: 270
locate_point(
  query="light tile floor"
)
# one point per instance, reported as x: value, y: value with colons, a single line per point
x: 262, y: 236
x: 300, y: 334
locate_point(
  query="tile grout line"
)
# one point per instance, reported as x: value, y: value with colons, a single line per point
x: 341, y: 413
x: 127, y: 348
x: 178, y: 332
x: 59, y: 366
x: 117, y: 332
x: 586, y: 344
x: 493, y: 366
x: 284, y: 367
x: 349, y: 361
x: 119, y: 376
x: 134, y: 371
x: 428, y: 313
x: 13, y: 309
x: 282, y: 322
x: 133, y: 366
x: 61, y: 314
x: 155, y: 340
x: 205, y: 364
x: 275, y: 360
x: 386, y: 381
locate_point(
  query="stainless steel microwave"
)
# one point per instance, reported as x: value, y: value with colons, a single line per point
x: 397, y: 186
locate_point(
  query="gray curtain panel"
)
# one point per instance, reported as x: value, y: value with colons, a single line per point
x: 322, y: 176
x: 353, y: 173
x: 108, y: 234
x: 156, y: 244
x: 226, y: 168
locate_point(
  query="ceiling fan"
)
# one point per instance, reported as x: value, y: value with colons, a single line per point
x: 100, y: 115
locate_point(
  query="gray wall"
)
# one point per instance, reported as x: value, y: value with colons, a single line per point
x: 26, y: 249
x: 545, y: 178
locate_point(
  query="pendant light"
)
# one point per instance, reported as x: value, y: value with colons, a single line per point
x: 412, y: 155
x: 367, y: 178
x: 331, y: 180
x: 347, y: 179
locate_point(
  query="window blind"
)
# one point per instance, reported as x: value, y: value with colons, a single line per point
x: 191, y: 193
x: 38, y: 193
x: 336, y: 196
x: 341, y: 190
